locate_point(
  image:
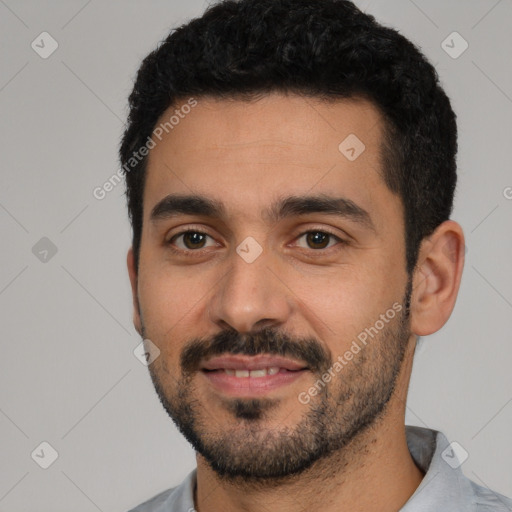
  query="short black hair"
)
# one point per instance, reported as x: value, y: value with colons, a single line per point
x: 327, y: 49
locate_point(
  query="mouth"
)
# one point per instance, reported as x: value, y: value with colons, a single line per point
x: 247, y: 376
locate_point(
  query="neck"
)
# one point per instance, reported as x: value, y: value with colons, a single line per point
x: 374, y: 472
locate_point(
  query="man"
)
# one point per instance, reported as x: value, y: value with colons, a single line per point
x: 290, y: 170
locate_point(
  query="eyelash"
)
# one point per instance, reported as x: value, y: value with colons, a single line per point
x: 199, y: 252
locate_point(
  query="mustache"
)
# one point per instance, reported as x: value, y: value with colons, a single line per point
x: 267, y: 341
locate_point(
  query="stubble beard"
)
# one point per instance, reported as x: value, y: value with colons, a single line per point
x: 250, y: 451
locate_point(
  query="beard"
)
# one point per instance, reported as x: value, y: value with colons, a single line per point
x: 344, y: 409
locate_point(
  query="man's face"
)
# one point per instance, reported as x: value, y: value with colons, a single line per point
x: 271, y: 282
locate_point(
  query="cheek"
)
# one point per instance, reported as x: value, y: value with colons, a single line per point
x: 347, y: 302
x: 165, y: 294
x: 173, y: 307
x: 162, y: 306
x: 345, y: 309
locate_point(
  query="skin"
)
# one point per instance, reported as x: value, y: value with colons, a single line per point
x: 247, y: 155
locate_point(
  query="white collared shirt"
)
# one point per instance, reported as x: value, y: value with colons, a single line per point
x: 444, y: 487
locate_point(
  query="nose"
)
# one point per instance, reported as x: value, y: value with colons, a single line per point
x: 251, y: 296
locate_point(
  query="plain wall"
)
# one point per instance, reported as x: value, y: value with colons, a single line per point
x: 68, y: 374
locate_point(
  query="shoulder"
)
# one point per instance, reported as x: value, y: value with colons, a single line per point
x: 175, y: 499
x: 155, y: 504
x: 487, y: 500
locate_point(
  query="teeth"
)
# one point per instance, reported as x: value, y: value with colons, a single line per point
x: 253, y: 373
x: 258, y: 373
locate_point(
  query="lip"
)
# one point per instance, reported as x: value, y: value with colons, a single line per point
x: 245, y: 387
x: 241, y: 362
x: 230, y: 385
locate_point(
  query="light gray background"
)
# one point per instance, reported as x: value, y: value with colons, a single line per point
x: 68, y: 374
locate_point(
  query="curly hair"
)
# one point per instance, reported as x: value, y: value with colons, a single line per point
x: 327, y: 49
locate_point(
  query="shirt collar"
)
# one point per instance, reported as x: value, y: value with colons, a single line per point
x: 444, y: 487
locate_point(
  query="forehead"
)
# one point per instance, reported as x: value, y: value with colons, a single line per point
x: 242, y: 152
x: 274, y: 121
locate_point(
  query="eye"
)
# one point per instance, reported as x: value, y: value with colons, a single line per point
x: 190, y: 240
x: 193, y: 240
x: 319, y: 239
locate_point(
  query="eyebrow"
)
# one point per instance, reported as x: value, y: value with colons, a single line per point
x: 175, y: 204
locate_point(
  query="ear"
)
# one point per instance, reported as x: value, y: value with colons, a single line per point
x: 436, y: 278
x: 132, y: 272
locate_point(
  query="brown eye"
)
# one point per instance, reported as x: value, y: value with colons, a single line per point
x: 193, y: 240
x: 190, y: 240
x: 319, y: 239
